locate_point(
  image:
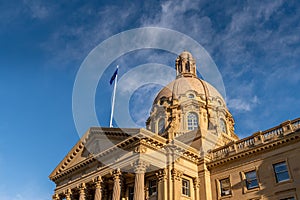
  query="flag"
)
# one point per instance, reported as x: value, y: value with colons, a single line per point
x: 113, y: 76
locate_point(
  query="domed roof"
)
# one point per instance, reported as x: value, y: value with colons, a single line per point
x: 186, y: 54
x: 183, y: 85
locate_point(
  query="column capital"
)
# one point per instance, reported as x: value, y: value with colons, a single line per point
x: 161, y: 175
x: 196, y: 182
x: 140, y: 166
x: 176, y: 174
x: 98, y: 181
x: 116, y: 174
x: 82, y: 187
x: 55, y: 197
x: 68, y: 194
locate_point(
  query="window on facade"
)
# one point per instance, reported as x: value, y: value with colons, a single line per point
x: 281, y: 172
x: 289, y: 198
x: 251, y: 180
x: 185, y: 187
x: 152, y: 187
x: 130, y: 193
x: 225, y: 187
x: 191, y: 96
x: 192, y: 120
x: 161, y: 126
x: 223, y: 126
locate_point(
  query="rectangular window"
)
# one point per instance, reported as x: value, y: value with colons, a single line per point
x: 281, y: 172
x: 185, y: 187
x: 130, y: 193
x: 152, y: 187
x: 225, y: 187
x: 289, y: 198
x: 251, y: 180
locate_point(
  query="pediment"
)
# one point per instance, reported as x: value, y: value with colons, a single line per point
x: 90, y: 144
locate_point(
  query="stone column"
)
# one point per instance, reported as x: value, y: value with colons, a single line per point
x: 162, y: 192
x: 177, y: 188
x: 196, y: 183
x: 117, y: 184
x: 55, y: 197
x: 68, y: 194
x: 82, y: 188
x: 98, y: 191
x: 139, y: 169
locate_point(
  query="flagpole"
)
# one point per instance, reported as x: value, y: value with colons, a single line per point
x: 113, y: 100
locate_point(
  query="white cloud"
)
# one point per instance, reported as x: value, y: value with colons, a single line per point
x: 242, y: 105
x: 37, y: 9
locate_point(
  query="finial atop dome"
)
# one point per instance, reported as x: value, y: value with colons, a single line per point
x: 185, y: 65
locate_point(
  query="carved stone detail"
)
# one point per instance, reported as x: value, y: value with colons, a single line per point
x: 140, y: 149
x: 196, y: 182
x: 176, y: 174
x: 140, y: 166
x: 98, y: 191
x: 68, y: 194
x: 55, y: 197
x: 161, y: 175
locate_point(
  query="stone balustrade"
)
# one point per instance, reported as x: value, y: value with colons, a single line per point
x: 256, y: 139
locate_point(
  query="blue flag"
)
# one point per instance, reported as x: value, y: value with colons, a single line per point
x: 113, y: 76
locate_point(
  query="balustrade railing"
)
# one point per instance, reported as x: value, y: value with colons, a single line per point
x: 256, y: 139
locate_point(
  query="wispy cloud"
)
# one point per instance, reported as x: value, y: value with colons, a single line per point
x: 243, y: 105
x: 37, y: 9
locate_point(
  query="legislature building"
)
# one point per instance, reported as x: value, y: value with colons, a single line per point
x: 188, y: 151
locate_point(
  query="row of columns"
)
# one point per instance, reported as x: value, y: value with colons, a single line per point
x: 139, y: 169
x: 139, y: 194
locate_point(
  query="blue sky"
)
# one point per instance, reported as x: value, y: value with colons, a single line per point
x: 255, y: 44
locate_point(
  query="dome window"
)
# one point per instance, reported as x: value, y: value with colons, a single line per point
x: 192, y: 120
x: 191, y: 96
x: 161, y: 126
x: 223, y: 126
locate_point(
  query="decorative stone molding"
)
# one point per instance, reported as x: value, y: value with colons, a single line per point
x: 176, y: 174
x: 116, y: 174
x: 161, y: 175
x: 55, y: 197
x: 140, y: 166
x: 98, y: 181
x: 196, y: 182
x: 140, y: 149
x: 68, y: 194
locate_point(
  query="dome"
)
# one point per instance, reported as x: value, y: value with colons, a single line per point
x: 185, y: 85
x: 186, y: 54
x: 188, y: 104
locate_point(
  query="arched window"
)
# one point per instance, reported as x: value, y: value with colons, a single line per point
x: 192, y: 120
x: 223, y: 126
x: 191, y: 96
x: 161, y: 126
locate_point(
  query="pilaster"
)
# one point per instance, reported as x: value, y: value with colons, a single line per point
x: 162, y: 190
x: 176, y: 179
x: 196, y: 184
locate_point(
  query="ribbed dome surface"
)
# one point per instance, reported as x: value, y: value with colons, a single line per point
x: 181, y: 86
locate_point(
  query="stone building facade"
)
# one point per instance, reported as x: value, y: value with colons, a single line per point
x: 188, y: 151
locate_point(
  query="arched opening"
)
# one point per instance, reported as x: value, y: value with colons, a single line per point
x: 223, y: 126
x: 161, y: 126
x: 192, y: 121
